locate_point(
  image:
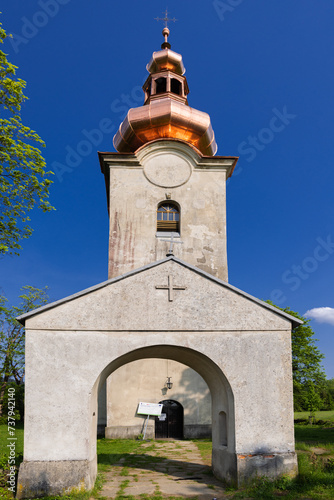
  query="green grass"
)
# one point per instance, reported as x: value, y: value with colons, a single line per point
x: 314, y: 435
x: 83, y: 495
x: 316, y: 472
x: 4, y: 434
x: 111, y: 451
x: 314, y: 481
x: 5, y: 439
x: 205, y: 448
x: 124, y: 472
x: 319, y: 415
x: 122, y: 487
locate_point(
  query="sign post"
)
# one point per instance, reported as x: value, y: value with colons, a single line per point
x: 149, y: 409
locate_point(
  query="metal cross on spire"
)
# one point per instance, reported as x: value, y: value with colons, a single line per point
x: 166, y: 19
x: 172, y: 242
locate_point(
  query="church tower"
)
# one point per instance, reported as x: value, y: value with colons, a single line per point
x: 166, y: 189
x: 167, y: 312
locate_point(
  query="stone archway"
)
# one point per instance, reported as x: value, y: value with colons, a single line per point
x: 146, y: 380
x: 240, y: 346
x: 223, y: 453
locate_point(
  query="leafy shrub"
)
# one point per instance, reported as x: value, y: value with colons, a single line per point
x: 304, y: 421
x: 301, y: 421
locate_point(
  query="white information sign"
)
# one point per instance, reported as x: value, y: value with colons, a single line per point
x: 150, y: 409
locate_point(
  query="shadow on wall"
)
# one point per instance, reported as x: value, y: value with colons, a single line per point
x: 189, y: 389
x: 195, y: 396
x: 196, y: 400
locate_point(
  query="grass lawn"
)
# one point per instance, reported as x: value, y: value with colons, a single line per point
x: 110, y: 451
x: 319, y: 415
x: 315, y: 450
x: 4, y: 435
x: 5, y: 439
x: 315, y: 435
x: 314, y: 445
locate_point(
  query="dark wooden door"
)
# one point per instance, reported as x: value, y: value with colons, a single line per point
x: 170, y: 423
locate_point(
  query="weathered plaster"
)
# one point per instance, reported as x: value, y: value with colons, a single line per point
x: 204, y: 305
x: 197, y: 184
x: 239, y: 346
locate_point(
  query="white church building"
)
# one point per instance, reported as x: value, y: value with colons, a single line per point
x: 166, y: 315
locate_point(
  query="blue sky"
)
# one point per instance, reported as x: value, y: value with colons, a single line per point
x: 262, y: 70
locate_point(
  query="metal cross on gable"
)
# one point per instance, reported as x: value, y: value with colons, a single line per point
x: 171, y: 240
x: 170, y: 287
x: 166, y: 19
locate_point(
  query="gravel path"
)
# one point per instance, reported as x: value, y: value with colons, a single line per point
x: 172, y: 469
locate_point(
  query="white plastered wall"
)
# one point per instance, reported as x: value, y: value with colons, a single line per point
x: 251, y: 348
x: 145, y: 380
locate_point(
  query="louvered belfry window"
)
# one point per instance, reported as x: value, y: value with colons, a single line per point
x: 168, y: 218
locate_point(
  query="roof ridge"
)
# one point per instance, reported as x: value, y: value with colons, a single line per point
x: 133, y: 272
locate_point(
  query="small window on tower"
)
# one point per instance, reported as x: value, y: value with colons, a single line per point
x: 168, y: 218
x: 161, y: 85
x: 176, y: 86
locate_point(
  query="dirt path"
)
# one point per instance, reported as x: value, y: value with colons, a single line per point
x: 171, y: 469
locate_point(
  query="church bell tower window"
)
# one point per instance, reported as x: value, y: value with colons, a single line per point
x: 161, y: 85
x: 168, y: 218
x: 176, y: 86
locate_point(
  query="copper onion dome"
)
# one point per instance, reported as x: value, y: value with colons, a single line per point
x: 165, y: 113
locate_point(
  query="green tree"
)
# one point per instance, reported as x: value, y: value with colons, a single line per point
x: 312, y: 399
x: 12, y: 337
x: 309, y: 378
x: 327, y: 395
x: 24, y: 182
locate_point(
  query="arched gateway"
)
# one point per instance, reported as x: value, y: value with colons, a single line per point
x: 154, y: 306
x: 239, y: 345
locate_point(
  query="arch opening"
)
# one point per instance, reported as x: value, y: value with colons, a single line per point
x: 170, y: 423
x: 223, y: 457
x: 153, y: 380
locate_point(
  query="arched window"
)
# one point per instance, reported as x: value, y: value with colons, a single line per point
x: 161, y: 85
x: 222, y: 428
x: 168, y: 217
x: 176, y: 86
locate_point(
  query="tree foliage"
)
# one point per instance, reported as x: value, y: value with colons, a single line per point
x: 309, y: 378
x: 12, y: 337
x: 24, y: 182
x: 327, y: 395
